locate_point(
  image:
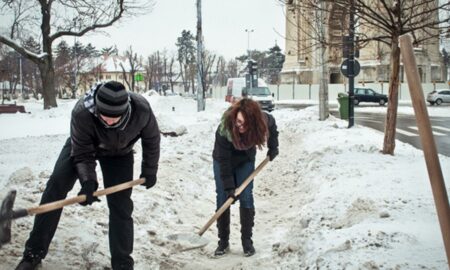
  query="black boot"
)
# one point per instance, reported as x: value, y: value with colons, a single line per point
x: 247, y: 221
x: 223, y: 227
x: 31, y: 259
x: 29, y: 262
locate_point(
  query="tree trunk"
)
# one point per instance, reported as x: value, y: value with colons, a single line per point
x: 185, y: 78
x: 133, y: 82
x: 391, y: 115
x: 323, y: 90
x: 48, y: 83
x: 182, y: 76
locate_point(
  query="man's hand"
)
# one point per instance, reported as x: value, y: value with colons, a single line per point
x: 88, y: 188
x: 150, y: 181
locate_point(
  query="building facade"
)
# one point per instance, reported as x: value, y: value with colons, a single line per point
x: 303, y: 57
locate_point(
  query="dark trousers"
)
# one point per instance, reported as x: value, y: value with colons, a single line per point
x: 115, y: 170
x: 240, y: 174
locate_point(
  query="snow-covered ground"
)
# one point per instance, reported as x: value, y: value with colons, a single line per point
x: 330, y: 200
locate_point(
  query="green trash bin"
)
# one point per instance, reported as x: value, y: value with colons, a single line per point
x: 343, y: 105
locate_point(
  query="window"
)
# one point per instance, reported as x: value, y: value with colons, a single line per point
x: 370, y: 92
x: 108, y: 77
x: 436, y: 73
x: 360, y: 91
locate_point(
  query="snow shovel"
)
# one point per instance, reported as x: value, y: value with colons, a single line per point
x: 189, y: 241
x: 7, y: 213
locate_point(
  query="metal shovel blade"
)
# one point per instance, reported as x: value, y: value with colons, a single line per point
x: 188, y: 241
x: 5, y: 213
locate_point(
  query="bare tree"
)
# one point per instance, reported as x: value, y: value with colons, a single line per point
x: 171, y: 74
x: 232, y: 69
x: 135, y: 64
x: 52, y: 19
x: 30, y: 70
x: 208, y: 62
x: 220, y: 77
x: 380, y: 21
x: 150, y: 71
x: 186, y: 59
x: 155, y: 69
x: 63, y: 66
x: 11, y: 60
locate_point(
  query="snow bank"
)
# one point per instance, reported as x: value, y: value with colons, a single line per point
x: 330, y: 200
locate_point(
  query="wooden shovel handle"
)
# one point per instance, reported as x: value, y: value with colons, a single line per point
x: 236, y: 193
x: 426, y: 136
x: 44, y: 208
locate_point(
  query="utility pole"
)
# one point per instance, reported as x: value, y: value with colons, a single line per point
x: 323, y: 90
x: 248, y: 42
x: 351, y: 66
x: 249, y: 78
x: 200, y: 92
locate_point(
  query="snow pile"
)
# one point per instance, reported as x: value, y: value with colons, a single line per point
x: 330, y: 200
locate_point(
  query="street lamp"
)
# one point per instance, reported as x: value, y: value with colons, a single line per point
x: 248, y: 41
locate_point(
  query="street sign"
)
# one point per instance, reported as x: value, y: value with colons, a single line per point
x: 345, y: 68
x: 138, y: 77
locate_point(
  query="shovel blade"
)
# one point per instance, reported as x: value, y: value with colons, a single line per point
x: 5, y: 221
x: 188, y: 241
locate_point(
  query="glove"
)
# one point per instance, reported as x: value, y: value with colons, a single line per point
x: 272, y: 153
x: 150, y: 181
x: 230, y: 193
x: 88, y: 188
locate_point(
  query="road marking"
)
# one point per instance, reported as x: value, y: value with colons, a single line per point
x: 407, y: 133
x: 373, y: 121
x: 435, y: 133
x: 442, y: 128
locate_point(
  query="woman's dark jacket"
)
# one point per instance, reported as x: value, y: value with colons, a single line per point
x: 230, y: 158
x: 91, y: 139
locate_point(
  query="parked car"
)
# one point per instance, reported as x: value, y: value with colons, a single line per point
x: 237, y: 88
x: 369, y: 95
x: 439, y: 96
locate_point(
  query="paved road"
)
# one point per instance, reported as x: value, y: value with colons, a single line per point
x: 406, y: 126
x: 407, y: 129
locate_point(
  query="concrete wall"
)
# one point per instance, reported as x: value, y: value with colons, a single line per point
x: 311, y: 92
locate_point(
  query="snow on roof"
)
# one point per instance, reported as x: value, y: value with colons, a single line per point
x: 113, y: 64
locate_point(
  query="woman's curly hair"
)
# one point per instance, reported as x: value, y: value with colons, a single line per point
x: 255, y: 123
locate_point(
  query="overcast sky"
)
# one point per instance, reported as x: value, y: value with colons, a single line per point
x: 224, y: 24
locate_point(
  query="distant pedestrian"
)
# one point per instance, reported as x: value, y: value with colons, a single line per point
x: 105, y: 125
x: 243, y: 128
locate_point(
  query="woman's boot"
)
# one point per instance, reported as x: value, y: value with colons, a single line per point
x: 223, y: 227
x: 247, y: 221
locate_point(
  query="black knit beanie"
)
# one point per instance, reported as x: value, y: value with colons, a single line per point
x: 112, y: 99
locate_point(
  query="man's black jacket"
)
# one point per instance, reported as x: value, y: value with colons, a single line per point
x: 91, y: 139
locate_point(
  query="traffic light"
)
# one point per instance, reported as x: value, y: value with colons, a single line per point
x: 348, y: 46
x: 253, y: 71
x: 252, y: 67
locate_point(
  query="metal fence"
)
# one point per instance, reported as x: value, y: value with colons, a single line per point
x: 311, y: 91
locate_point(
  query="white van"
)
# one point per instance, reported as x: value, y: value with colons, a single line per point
x: 236, y: 89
